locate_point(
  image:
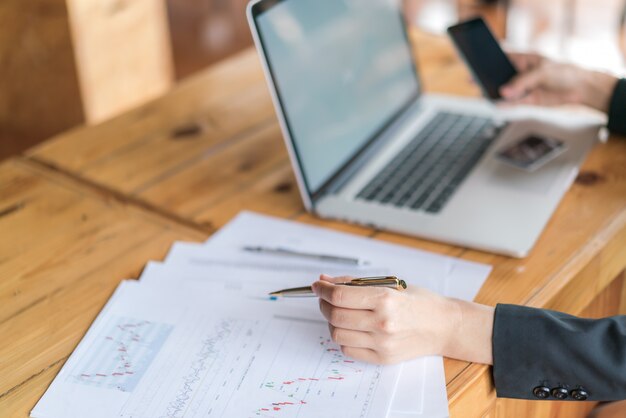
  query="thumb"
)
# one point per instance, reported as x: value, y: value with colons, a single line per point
x: 326, y: 281
x: 522, y: 84
x: 525, y: 62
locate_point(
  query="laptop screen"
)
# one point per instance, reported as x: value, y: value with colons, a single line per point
x: 343, y: 70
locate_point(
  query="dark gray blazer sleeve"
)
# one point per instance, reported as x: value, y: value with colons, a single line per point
x: 541, y: 354
x: 617, y: 109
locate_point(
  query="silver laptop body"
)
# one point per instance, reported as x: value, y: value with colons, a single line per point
x: 368, y: 147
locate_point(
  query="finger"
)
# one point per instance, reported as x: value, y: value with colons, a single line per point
x: 522, y: 84
x: 519, y: 60
x: 525, y: 61
x: 365, y: 355
x: 351, y: 338
x: 356, y: 320
x: 532, y: 98
x: 542, y: 98
x: 340, y: 279
x: 348, y: 297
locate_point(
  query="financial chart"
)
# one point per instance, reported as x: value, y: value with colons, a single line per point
x: 121, y: 354
x: 284, y: 367
x: 293, y: 389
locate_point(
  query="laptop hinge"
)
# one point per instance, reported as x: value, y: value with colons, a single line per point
x: 347, y: 173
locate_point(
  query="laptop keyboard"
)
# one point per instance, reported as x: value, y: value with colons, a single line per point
x: 427, y: 172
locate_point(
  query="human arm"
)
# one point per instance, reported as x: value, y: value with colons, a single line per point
x: 385, y: 326
x: 529, y: 348
x: 544, y: 82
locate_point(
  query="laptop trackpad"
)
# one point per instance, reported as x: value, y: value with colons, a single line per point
x: 543, y: 180
x: 538, y: 182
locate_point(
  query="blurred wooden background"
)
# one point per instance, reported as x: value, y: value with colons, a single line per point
x: 585, y: 31
x: 64, y: 63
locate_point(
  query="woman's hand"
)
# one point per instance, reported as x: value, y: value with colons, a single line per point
x: 545, y: 82
x: 386, y: 326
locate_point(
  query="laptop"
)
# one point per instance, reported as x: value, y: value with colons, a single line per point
x: 368, y: 147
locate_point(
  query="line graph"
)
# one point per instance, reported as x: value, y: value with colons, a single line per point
x: 207, y: 353
x: 195, y: 375
x: 121, y: 354
x: 323, y: 382
x: 257, y: 368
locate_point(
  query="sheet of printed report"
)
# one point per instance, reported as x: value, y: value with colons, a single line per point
x: 197, y: 334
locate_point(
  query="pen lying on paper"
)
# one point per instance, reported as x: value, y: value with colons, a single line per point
x: 391, y: 282
x: 294, y: 253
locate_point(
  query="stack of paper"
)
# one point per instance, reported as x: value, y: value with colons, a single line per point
x: 198, y: 336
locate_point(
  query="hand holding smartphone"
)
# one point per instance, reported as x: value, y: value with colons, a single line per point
x: 482, y: 53
x: 492, y: 69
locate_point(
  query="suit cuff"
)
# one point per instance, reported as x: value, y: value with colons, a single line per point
x: 617, y: 109
x: 510, y: 352
x: 542, y: 354
x: 528, y: 359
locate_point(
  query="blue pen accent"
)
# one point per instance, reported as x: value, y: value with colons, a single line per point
x: 273, y: 298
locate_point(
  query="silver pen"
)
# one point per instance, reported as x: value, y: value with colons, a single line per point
x: 293, y: 253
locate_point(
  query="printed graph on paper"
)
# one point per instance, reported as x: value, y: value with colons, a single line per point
x: 293, y: 389
x: 280, y: 367
x: 121, y: 354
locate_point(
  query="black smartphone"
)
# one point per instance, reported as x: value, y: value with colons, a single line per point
x: 482, y: 53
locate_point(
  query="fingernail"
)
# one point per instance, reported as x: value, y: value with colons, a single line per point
x: 314, y: 287
x: 325, y: 277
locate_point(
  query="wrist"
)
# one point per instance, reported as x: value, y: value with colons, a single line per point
x: 598, y: 89
x: 471, y: 332
x: 452, y: 340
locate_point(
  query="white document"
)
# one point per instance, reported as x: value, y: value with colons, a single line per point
x: 435, y: 399
x: 408, y: 400
x: 442, y: 274
x: 198, y: 336
x: 166, y: 352
x: 223, y: 255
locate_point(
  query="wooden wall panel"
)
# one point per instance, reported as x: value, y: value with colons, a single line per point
x: 67, y: 62
x: 39, y: 94
x: 207, y: 31
x: 123, y: 53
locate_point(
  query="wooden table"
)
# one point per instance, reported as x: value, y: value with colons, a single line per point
x: 89, y: 208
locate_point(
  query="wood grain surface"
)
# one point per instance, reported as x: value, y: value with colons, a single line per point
x: 184, y: 165
x: 64, y: 248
